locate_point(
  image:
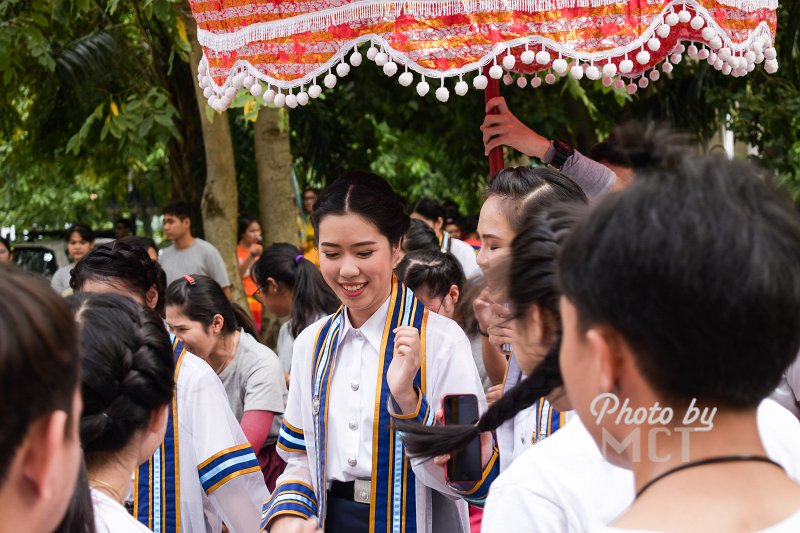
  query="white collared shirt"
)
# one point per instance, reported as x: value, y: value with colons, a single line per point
x: 351, y: 412
x: 352, y: 407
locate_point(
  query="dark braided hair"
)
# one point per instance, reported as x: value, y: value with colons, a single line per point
x: 531, y: 281
x: 127, y: 370
x: 124, y: 263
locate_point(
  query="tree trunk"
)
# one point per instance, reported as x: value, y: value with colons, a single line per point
x: 220, y: 203
x: 276, y: 200
x: 274, y: 165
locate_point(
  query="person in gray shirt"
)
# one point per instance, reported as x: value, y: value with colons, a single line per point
x: 188, y: 254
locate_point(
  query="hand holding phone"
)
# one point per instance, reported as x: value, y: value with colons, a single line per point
x: 464, y: 465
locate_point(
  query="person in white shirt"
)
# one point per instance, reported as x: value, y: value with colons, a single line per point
x: 433, y: 214
x: 681, y: 311
x: 437, y: 280
x: 380, y: 358
x: 126, y: 387
x: 205, y: 472
x: 529, y: 286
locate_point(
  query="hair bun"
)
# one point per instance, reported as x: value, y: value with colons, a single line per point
x: 649, y: 146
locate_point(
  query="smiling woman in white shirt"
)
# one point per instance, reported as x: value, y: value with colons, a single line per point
x: 381, y: 356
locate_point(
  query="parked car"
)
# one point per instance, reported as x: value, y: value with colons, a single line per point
x: 42, y: 257
x: 45, y: 256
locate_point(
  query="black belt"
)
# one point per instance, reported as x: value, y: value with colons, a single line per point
x: 357, y: 491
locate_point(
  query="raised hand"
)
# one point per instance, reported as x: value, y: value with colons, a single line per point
x: 503, y: 128
x: 404, y: 367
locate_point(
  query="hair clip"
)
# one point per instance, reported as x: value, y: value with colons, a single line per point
x: 298, y: 258
x: 189, y: 279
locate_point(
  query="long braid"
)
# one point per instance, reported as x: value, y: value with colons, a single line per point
x: 531, y: 282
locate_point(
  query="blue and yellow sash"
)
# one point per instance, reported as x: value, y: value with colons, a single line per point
x: 393, y: 507
x: 548, y: 420
x: 156, y: 500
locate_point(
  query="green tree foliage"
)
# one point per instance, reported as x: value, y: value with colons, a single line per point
x: 86, y: 107
x: 97, y: 94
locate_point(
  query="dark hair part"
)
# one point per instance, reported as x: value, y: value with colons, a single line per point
x: 5, y: 242
x: 83, y: 230
x: 698, y: 269
x: 420, y: 237
x: 429, y: 208
x: 39, y: 358
x: 127, y: 374
x: 431, y: 272
x: 244, y: 223
x: 531, y: 190
x: 203, y: 298
x: 532, y: 281
x: 367, y: 195
x: 125, y: 263
x: 311, y: 296
x: 178, y: 208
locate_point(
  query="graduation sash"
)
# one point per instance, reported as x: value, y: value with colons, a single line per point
x: 156, y: 499
x: 393, y: 500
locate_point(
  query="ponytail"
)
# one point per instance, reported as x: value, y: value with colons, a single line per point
x: 244, y: 320
x: 431, y: 441
x: 311, y: 296
x: 199, y: 298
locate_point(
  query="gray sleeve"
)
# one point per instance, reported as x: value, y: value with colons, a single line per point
x: 265, y: 388
x: 594, y: 178
x: 285, y: 346
x: 60, y: 281
x: 216, y: 267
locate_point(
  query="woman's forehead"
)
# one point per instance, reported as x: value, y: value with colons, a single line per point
x: 349, y: 229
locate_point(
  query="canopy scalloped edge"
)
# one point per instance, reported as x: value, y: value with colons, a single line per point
x: 722, y: 52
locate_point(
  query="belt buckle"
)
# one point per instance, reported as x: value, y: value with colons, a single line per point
x: 362, y: 489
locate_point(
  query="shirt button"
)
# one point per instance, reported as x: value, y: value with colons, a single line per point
x: 359, y: 336
x: 352, y: 461
x: 354, y: 385
x: 353, y: 425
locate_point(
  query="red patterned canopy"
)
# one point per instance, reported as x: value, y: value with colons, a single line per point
x: 294, y: 46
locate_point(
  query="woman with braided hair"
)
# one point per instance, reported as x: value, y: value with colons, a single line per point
x: 530, y: 287
x: 205, y: 472
x: 126, y: 386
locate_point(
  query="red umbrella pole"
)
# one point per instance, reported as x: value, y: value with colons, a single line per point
x: 496, y: 163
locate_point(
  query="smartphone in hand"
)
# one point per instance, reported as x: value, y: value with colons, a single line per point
x: 464, y: 465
